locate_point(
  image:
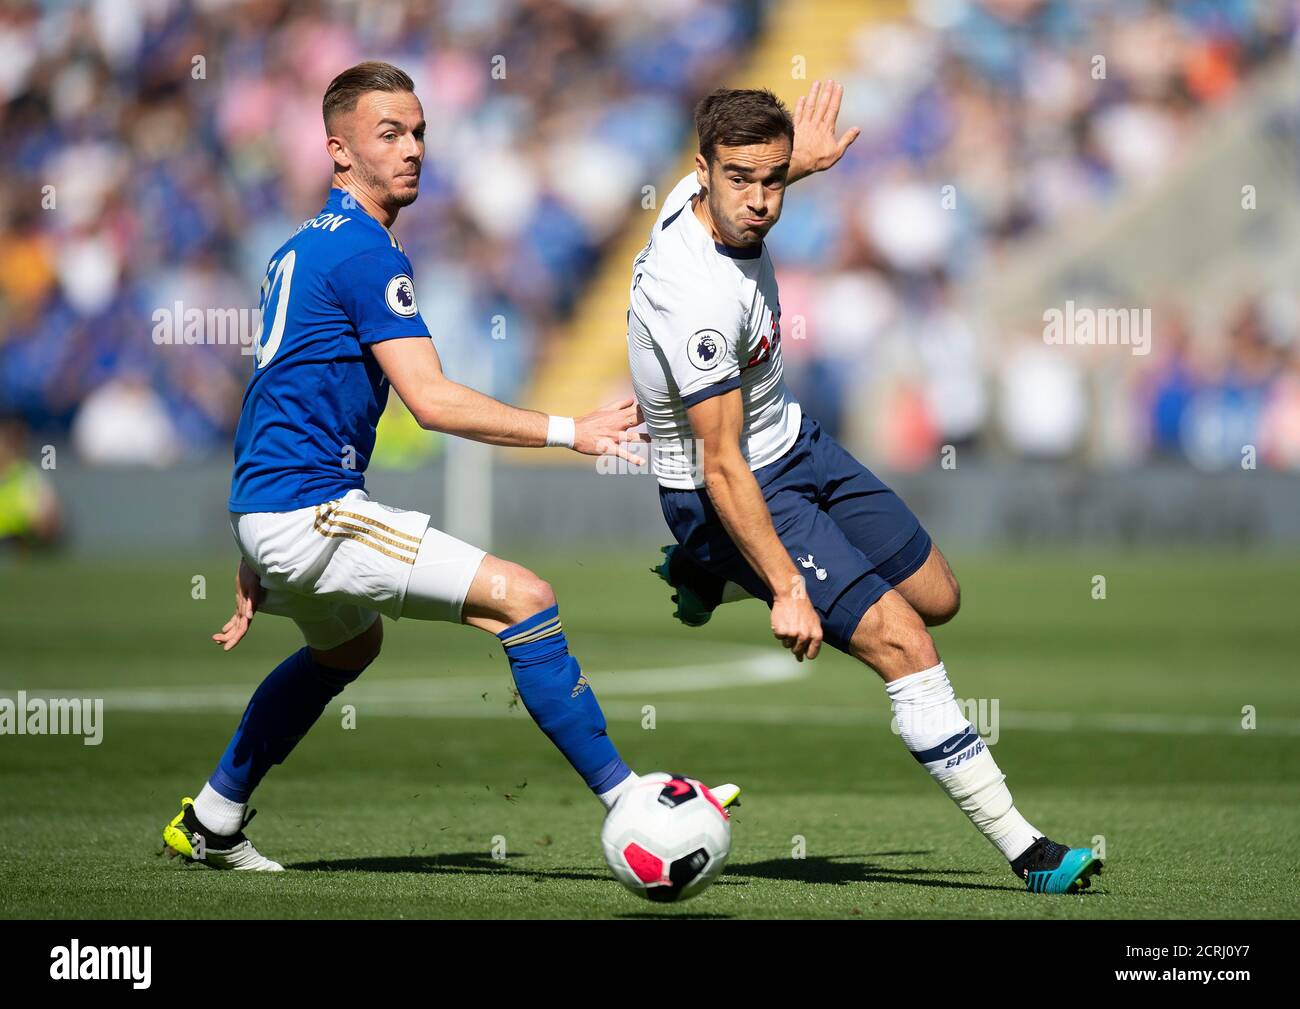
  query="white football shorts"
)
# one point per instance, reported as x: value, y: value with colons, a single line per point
x: 333, y: 568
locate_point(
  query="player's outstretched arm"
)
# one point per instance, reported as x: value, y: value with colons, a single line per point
x: 816, y: 147
x: 738, y: 500
x: 439, y: 404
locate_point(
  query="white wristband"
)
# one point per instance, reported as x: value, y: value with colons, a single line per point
x: 560, y: 431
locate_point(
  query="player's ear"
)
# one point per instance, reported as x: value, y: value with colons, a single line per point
x: 701, y: 171
x: 338, y: 152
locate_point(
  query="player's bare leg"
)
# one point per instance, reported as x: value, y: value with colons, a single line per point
x: 504, y: 593
x: 892, y: 639
x: 932, y: 590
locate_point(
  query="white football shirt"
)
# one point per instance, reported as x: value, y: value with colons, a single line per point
x: 705, y: 319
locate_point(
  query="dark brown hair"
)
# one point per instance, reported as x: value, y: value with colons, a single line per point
x: 344, y: 90
x: 733, y: 117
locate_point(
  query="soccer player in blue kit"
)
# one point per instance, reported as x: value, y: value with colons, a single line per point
x: 340, y: 325
x: 762, y: 501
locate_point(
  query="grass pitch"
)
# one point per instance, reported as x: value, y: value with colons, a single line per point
x: 1119, y: 718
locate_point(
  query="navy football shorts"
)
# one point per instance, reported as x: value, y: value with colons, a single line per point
x: 850, y: 536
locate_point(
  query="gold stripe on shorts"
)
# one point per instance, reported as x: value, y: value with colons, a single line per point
x: 345, y: 530
x: 378, y: 525
x: 380, y: 537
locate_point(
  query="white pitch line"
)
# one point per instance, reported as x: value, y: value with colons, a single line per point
x: 1018, y: 721
x: 436, y: 695
x: 409, y: 704
x: 1025, y: 721
x: 463, y: 697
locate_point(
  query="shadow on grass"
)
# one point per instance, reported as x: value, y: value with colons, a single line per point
x: 650, y: 915
x: 457, y: 863
x: 842, y: 870
x: 462, y: 863
x: 832, y: 870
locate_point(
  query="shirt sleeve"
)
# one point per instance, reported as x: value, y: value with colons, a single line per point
x: 700, y: 344
x: 378, y: 295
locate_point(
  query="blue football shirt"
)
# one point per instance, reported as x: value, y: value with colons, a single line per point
x: 307, y: 427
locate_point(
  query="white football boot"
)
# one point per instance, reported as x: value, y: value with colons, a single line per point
x: 187, y: 837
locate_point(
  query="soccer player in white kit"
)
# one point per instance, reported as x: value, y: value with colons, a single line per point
x: 760, y: 499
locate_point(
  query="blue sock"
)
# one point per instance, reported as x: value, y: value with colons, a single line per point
x: 282, y: 709
x: 557, y: 695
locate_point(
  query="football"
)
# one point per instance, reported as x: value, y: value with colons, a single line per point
x: 667, y: 838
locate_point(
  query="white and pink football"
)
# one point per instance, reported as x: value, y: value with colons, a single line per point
x: 667, y: 838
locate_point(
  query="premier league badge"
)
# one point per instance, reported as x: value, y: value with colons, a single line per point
x: 705, y: 349
x: 400, y: 296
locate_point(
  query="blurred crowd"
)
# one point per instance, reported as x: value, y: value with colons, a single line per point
x: 158, y: 152
x: 989, y: 123
x: 181, y: 142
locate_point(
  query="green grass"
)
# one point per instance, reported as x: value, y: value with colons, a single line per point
x: 396, y: 817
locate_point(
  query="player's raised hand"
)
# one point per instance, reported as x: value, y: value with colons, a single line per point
x: 796, y: 625
x: 605, y: 431
x: 816, y: 147
x: 248, y: 596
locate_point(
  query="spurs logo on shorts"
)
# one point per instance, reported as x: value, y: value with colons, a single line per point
x: 807, y: 562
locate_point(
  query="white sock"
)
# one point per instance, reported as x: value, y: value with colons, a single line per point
x: 940, y: 737
x: 217, y: 813
x: 609, y: 798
